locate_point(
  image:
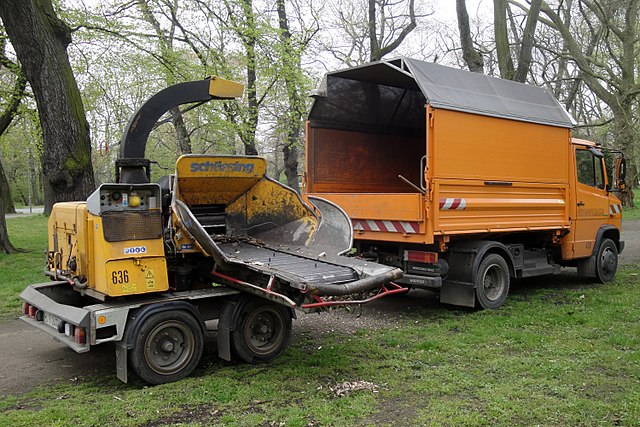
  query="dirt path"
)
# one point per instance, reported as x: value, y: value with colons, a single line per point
x: 29, y: 358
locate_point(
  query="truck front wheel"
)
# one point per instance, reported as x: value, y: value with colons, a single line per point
x: 262, y: 331
x: 168, y: 347
x: 606, y: 261
x: 492, y: 282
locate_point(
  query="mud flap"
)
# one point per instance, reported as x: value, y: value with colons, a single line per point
x: 121, y: 361
x: 587, y: 267
x: 458, y: 293
x: 226, y: 325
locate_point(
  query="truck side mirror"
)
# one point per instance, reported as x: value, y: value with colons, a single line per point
x: 621, y: 173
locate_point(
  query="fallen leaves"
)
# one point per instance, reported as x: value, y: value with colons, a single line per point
x: 348, y: 387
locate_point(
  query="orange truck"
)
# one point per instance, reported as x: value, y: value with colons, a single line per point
x: 462, y: 180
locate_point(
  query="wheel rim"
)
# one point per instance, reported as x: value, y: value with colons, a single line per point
x: 264, y: 330
x: 169, y: 347
x: 608, y: 262
x: 493, y: 282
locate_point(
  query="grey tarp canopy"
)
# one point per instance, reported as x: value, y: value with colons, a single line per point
x: 442, y: 87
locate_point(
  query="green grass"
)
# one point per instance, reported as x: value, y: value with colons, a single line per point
x: 554, y: 355
x: 28, y: 233
x: 632, y: 213
x: 561, y: 352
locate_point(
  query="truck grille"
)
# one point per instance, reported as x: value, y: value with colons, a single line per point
x: 120, y: 226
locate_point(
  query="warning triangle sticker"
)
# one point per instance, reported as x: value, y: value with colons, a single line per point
x: 149, y: 274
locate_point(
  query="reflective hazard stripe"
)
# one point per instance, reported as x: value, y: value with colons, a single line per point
x: 615, y: 209
x: 451, y: 203
x: 408, y: 227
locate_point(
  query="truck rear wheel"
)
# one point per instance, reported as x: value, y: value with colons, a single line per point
x: 262, y: 331
x: 168, y: 347
x: 492, y: 282
x: 606, y: 261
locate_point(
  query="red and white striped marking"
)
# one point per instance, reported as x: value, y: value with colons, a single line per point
x: 408, y: 227
x: 615, y: 209
x: 451, y: 203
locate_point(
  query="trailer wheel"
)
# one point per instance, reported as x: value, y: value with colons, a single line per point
x: 168, y: 347
x: 606, y: 261
x: 492, y: 282
x: 262, y: 330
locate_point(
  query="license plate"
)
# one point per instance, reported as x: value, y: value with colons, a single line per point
x: 51, y: 320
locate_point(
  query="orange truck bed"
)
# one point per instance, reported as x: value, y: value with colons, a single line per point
x: 479, y: 177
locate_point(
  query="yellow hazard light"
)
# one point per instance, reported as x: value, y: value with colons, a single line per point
x: 134, y: 201
x: 102, y: 320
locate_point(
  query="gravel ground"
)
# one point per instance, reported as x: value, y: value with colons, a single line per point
x: 29, y: 358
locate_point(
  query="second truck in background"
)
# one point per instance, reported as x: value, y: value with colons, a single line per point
x: 462, y: 180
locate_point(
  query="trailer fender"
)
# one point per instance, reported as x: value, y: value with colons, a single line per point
x: 464, y: 259
x: 228, y: 322
x: 135, y: 321
x: 139, y: 316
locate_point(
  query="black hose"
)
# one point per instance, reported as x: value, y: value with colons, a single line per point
x: 357, y: 286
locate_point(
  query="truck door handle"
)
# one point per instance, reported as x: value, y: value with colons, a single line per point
x: 580, y: 203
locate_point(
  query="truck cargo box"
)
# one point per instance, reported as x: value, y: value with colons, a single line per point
x: 483, y: 154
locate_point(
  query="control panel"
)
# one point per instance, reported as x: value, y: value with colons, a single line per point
x: 124, y: 197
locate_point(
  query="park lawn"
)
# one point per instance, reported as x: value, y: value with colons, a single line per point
x: 560, y: 352
x: 28, y: 233
x: 632, y: 213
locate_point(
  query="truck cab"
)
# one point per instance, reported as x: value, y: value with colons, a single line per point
x: 596, y: 214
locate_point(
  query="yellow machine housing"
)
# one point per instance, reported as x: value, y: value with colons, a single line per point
x: 112, y: 244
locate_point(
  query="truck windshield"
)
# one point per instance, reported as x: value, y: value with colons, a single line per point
x: 589, y: 169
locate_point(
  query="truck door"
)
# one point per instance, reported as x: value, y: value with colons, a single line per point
x: 592, y: 202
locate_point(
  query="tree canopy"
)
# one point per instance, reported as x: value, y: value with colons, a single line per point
x: 123, y: 51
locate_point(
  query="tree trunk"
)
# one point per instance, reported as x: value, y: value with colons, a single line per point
x: 40, y: 41
x: 168, y: 56
x: 184, y: 140
x: 250, y: 40
x: 625, y: 136
x: 5, y: 120
x: 5, y: 192
x: 471, y: 56
x: 505, y: 63
x: 5, y: 245
x: 376, y: 41
x: 524, y: 58
x: 35, y: 178
x: 374, y: 46
x: 291, y: 71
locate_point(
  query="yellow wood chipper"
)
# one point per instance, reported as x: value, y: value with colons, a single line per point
x: 215, y: 247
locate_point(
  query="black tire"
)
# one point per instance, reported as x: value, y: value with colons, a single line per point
x: 262, y: 331
x: 168, y: 347
x: 606, y: 261
x: 492, y: 282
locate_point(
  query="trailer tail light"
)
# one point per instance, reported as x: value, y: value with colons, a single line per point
x: 421, y: 256
x: 80, y: 335
x: 32, y: 311
x: 25, y: 308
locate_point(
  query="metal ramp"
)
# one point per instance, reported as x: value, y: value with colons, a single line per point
x: 291, y: 267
